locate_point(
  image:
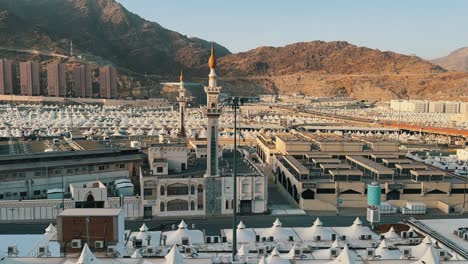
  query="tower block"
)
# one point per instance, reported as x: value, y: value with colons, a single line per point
x: 182, y: 99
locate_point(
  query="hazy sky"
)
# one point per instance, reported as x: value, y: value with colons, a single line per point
x: 427, y: 28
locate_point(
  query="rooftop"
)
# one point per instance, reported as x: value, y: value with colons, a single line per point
x: 91, y: 212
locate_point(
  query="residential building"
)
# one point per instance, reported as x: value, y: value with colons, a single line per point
x: 108, y: 82
x: 29, y: 78
x: 6, y: 77
x: 57, y: 79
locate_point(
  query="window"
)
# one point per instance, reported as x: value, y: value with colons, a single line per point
x: 159, y: 169
x: 1, y: 196
x: 69, y: 171
x: 148, y: 192
x: 227, y: 204
x: 162, y: 190
x: 101, y: 167
x: 200, y: 188
x: 23, y: 194
x: 192, y: 205
x: 192, y: 189
x: 122, y: 166
x: 37, y: 192
x: 163, y: 207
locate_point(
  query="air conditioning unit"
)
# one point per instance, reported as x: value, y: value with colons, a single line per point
x: 343, y: 238
x: 370, y: 253
x: 262, y: 251
x: 150, y: 251
x: 407, y: 253
x: 76, y: 243
x: 382, y: 237
x: 111, y: 250
x: 271, y: 239
x: 443, y: 254
x: 297, y: 253
x: 404, y: 234
x: 411, y: 234
x: 417, y: 240
x: 333, y: 253
x: 98, y: 244
x: 363, y: 237
x: 318, y: 238
x: 12, y: 250
x: 411, y: 241
x: 43, y: 251
x: 291, y: 238
x: 465, y: 236
x: 373, y: 244
x: 369, y: 237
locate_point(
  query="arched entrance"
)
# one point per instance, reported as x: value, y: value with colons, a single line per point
x: 308, y: 194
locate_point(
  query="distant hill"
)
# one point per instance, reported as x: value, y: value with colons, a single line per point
x: 102, y: 28
x: 104, y: 32
x: 337, y: 57
x: 455, y: 61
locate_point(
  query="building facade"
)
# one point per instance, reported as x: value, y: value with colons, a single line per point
x: 108, y: 82
x: 56, y: 79
x: 29, y: 78
x: 6, y: 77
x: 83, y: 83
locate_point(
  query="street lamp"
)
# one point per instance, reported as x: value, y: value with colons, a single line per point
x: 235, y: 103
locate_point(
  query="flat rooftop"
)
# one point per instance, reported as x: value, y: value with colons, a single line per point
x: 91, y: 212
x: 370, y: 165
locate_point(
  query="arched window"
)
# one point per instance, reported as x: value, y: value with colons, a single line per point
x: 192, y: 189
x: 232, y: 204
x: 162, y: 190
x: 227, y: 204
x: 192, y: 205
x: 200, y: 188
x: 163, y: 207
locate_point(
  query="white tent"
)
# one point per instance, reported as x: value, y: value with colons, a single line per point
x: 175, y: 237
x: 278, y: 232
x: 87, y: 257
x: 244, y: 235
x: 275, y: 258
x: 174, y: 256
x: 391, y: 234
x: 431, y: 256
x: 384, y: 252
x: 315, y: 232
x: 346, y: 257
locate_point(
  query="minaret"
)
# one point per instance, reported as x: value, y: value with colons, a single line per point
x: 212, y: 112
x: 71, y: 48
x: 213, y: 184
x: 182, y: 99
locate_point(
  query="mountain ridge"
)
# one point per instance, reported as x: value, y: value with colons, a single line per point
x: 457, y: 60
x: 108, y: 32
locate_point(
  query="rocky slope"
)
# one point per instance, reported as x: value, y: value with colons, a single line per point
x: 102, y: 28
x: 455, y: 61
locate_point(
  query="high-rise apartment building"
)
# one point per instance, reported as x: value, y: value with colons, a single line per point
x: 56, y: 79
x: 29, y: 78
x: 6, y: 77
x: 108, y: 82
x: 83, y: 85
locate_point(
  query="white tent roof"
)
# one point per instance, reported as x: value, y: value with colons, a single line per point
x: 174, y: 256
x: 87, y: 257
x: 391, y: 233
x: 385, y: 252
x: 243, y: 251
x: 275, y: 258
x: 143, y: 228
x: 346, y: 257
x: 175, y: 237
x: 431, y: 256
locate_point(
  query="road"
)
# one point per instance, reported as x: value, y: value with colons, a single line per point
x: 212, y: 225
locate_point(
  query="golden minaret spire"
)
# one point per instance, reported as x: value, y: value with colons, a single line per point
x: 212, y: 59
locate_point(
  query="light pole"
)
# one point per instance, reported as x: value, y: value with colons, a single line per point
x: 235, y: 103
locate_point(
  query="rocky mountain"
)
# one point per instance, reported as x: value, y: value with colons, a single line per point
x: 103, y: 32
x: 455, y: 61
x: 337, y: 57
x: 103, y: 28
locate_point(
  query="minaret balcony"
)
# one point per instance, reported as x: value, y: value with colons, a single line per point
x: 214, y: 110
